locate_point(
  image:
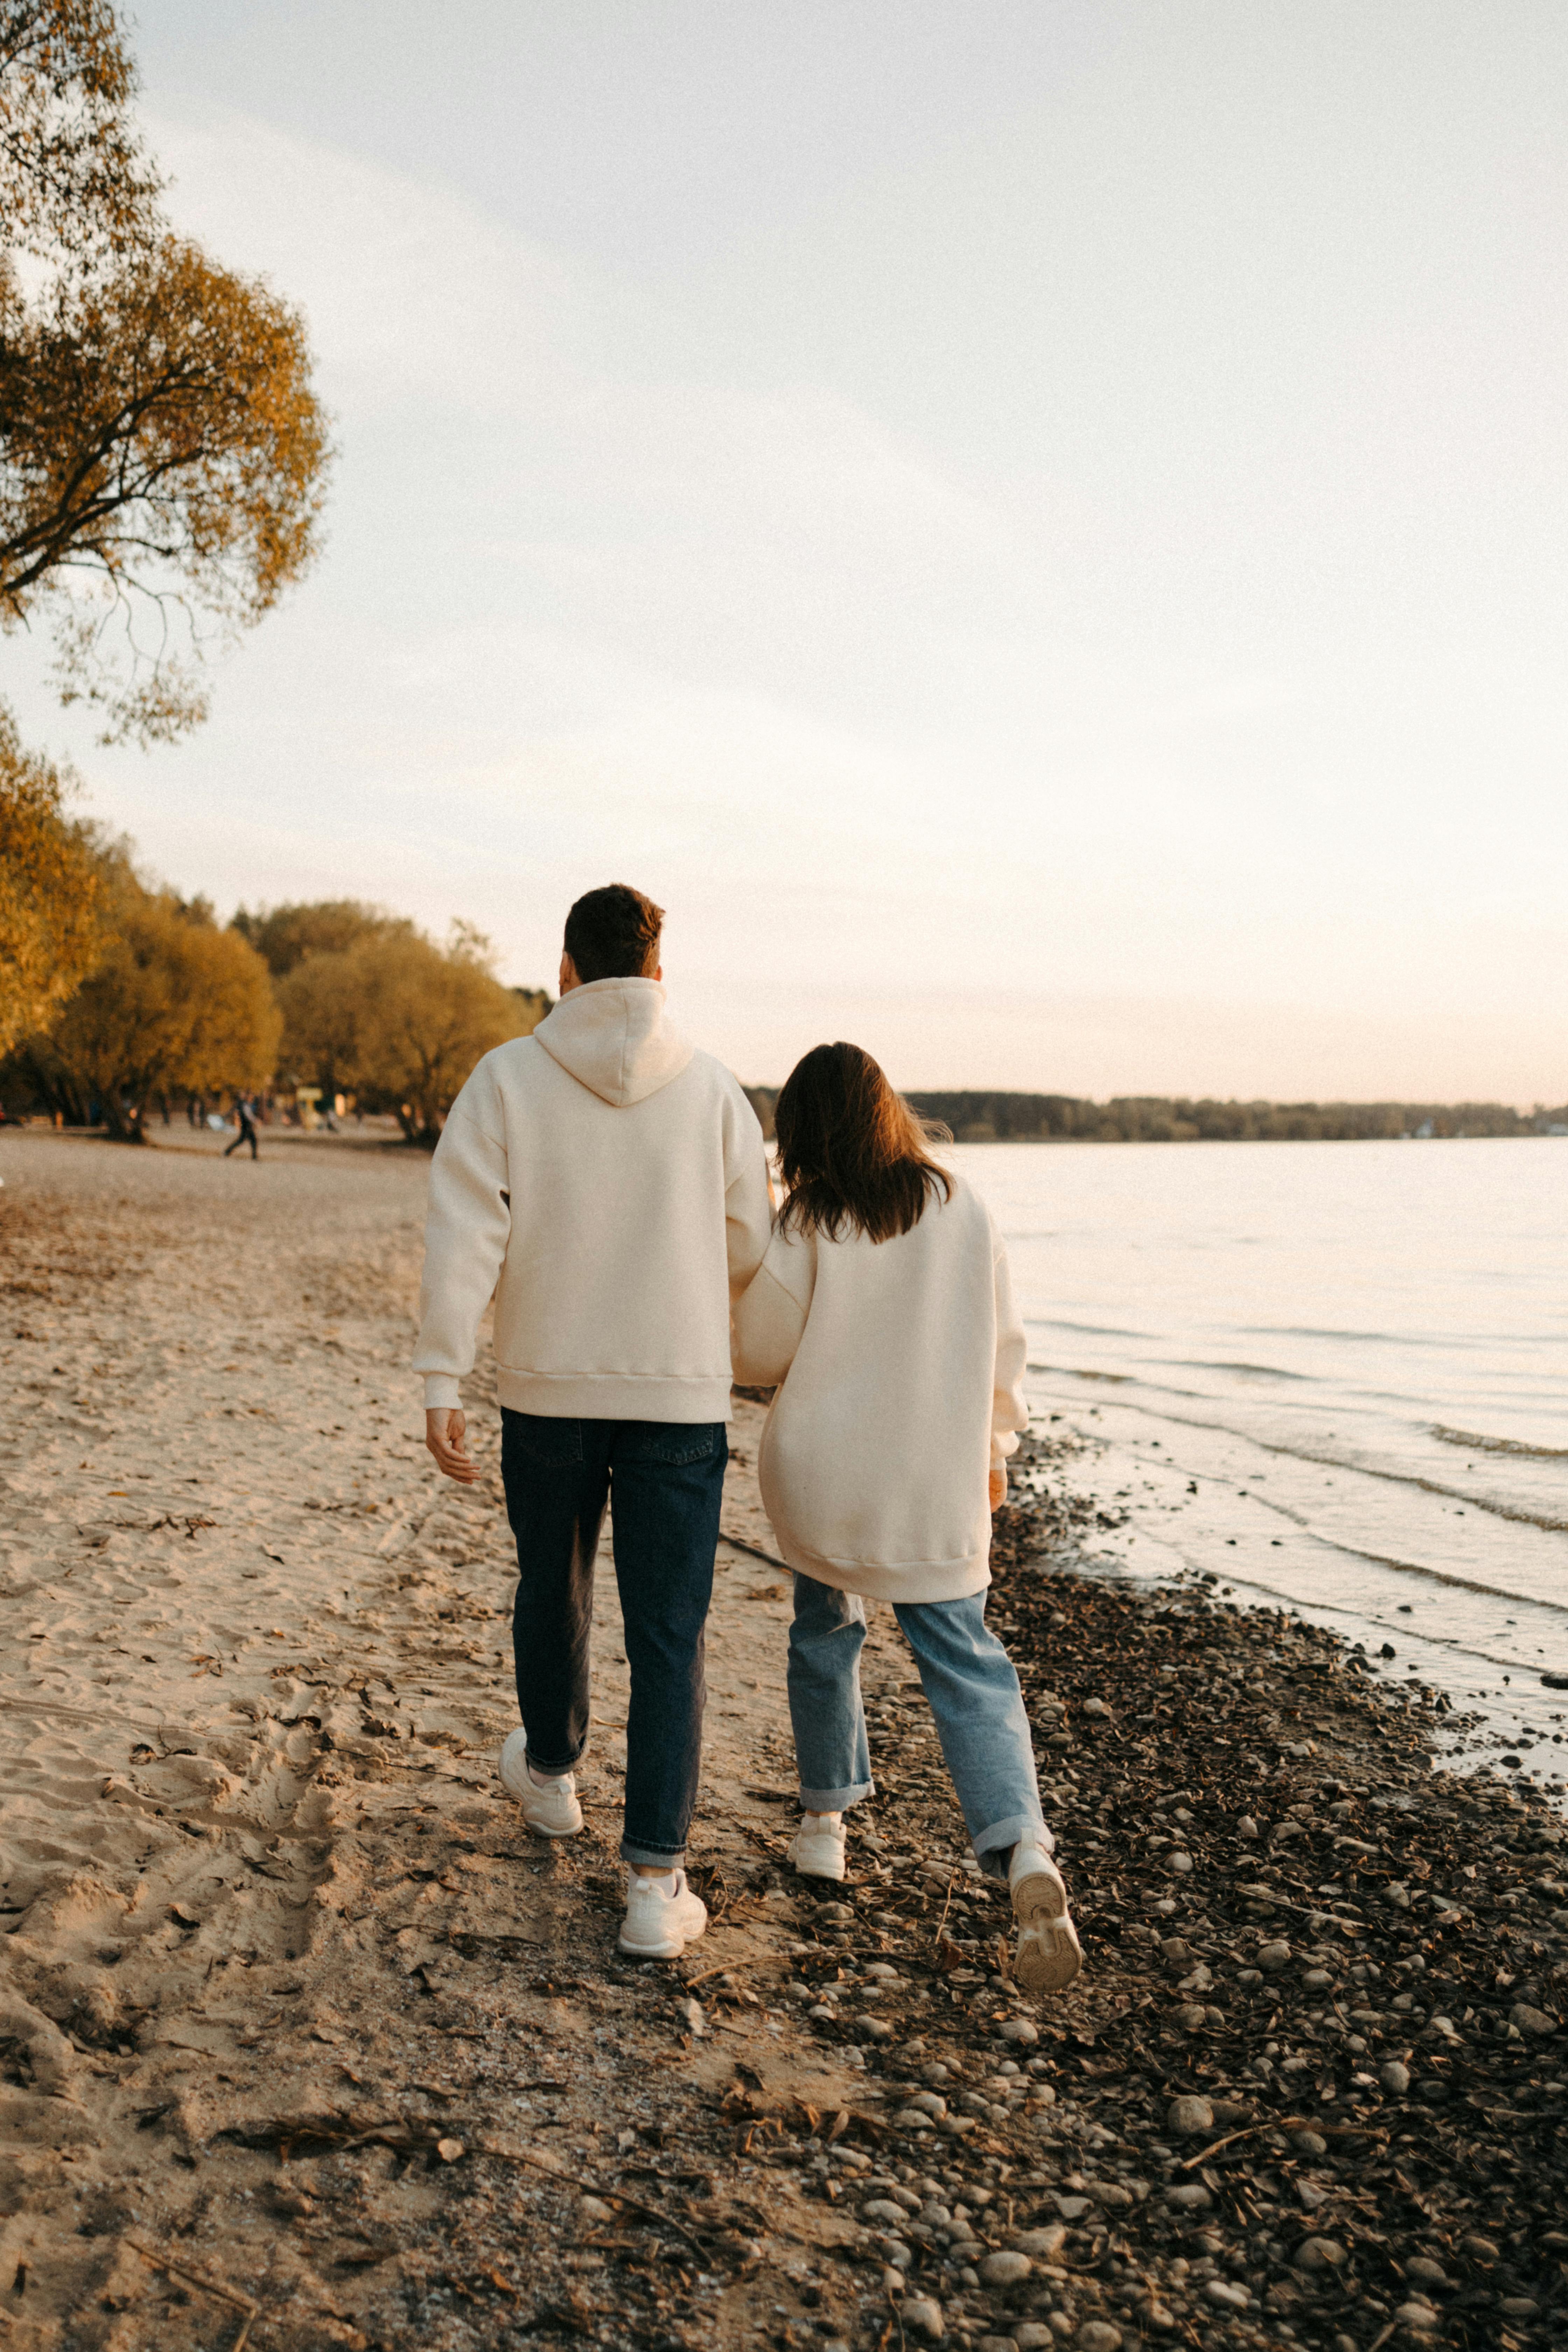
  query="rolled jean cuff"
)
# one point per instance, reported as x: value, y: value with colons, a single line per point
x: 554, y: 1771
x: 657, y: 1857
x: 992, y: 1846
x: 836, y: 1801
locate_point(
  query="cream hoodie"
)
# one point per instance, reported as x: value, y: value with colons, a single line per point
x: 900, y: 1363
x: 609, y: 1185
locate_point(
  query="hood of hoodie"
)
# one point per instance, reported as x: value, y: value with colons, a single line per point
x: 614, y: 1038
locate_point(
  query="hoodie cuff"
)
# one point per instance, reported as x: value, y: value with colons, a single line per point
x: 442, y: 1391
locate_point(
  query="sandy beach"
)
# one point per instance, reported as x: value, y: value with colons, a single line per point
x: 307, y: 2043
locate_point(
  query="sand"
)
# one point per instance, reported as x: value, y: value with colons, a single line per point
x: 255, y: 1666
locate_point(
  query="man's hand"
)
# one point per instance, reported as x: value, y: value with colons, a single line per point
x: 998, y: 1486
x: 446, y: 1435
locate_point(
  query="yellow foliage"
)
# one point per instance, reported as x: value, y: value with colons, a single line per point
x: 175, y: 1003
x: 50, y: 893
x: 162, y: 452
x: 399, y: 1021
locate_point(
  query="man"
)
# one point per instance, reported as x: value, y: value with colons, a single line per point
x: 609, y: 1185
x: 244, y: 1112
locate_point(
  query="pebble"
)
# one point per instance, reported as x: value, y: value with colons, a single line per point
x: 1033, y: 2335
x: 1021, y: 2031
x: 1190, y: 2016
x: 1182, y: 1862
x: 930, y: 2103
x: 1309, y: 2143
x: 1247, y: 1827
x: 1318, y: 2254
x: 1221, y: 2291
x: 923, y: 2317
x: 1431, y: 2273
x: 1416, y: 2315
x: 1072, y: 2209
x: 1519, y: 2306
x: 450, y: 2151
x: 1479, y: 2249
x: 1040, y: 2244
x: 1099, y: 2335
x: 1394, y: 2077
x: 1007, y: 2269
x: 882, y: 2212
x: 1095, y: 1706
x: 1531, y: 2020
x: 1189, y: 2117
x: 1192, y: 2197
x: 1317, y: 1979
x: 593, y: 2209
x: 913, y: 2119
x: 1272, y: 1957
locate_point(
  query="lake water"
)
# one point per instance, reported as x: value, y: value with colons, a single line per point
x: 1331, y: 1374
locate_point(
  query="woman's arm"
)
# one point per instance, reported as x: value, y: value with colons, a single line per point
x: 765, y: 1326
x: 1009, y: 1411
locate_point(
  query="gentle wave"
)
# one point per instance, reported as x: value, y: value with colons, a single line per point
x: 1474, y: 1445
x: 1280, y: 1360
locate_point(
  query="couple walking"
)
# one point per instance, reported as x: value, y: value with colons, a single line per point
x: 609, y: 1185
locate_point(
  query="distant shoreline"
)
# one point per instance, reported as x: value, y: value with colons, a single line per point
x: 974, y: 1117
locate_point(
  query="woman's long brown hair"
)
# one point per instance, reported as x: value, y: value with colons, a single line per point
x: 852, y: 1153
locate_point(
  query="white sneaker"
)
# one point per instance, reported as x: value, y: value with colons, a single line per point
x: 663, y: 1917
x: 550, y: 1807
x: 1048, y: 1955
x: 817, y: 1850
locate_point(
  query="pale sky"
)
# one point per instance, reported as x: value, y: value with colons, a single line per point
x: 1037, y: 530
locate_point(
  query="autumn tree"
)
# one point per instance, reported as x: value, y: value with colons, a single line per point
x: 401, y: 1022
x: 284, y: 935
x: 162, y: 453
x: 51, y: 892
x: 175, y: 1004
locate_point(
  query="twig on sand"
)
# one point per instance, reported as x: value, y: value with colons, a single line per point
x: 588, y: 2187
x: 231, y: 2295
x: 737, y: 1543
x: 724, y: 1969
x: 1271, y: 2123
x: 936, y: 1939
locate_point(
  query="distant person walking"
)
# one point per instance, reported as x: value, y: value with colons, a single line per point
x: 609, y: 1185
x: 884, y: 1313
x: 245, y: 1111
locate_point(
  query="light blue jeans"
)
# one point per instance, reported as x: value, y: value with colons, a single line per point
x: 972, y: 1692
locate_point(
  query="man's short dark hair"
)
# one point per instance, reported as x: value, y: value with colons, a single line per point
x: 613, y: 933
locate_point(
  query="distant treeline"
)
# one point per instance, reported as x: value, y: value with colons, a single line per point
x: 1160, y: 1118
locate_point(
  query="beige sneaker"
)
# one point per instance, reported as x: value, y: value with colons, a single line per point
x: 1048, y: 1955
x: 817, y: 1848
x: 663, y: 1917
x: 550, y: 1807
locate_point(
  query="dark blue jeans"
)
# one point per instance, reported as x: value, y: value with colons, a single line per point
x: 667, y: 1477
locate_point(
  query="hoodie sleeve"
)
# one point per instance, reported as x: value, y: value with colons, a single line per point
x: 748, y: 1203
x: 465, y: 1229
x: 1009, y: 1412
x: 768, y: 1320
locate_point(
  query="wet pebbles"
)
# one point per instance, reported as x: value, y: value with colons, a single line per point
x: 1312, y: 2087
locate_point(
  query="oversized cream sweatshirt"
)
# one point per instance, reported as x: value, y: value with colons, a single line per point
x: 900, y: 1364
x: 608, y: 1184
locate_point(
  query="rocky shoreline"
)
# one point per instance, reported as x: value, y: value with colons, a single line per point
x: 1309, y: 2088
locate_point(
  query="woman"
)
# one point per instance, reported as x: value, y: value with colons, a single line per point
x: 884, y: 1313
